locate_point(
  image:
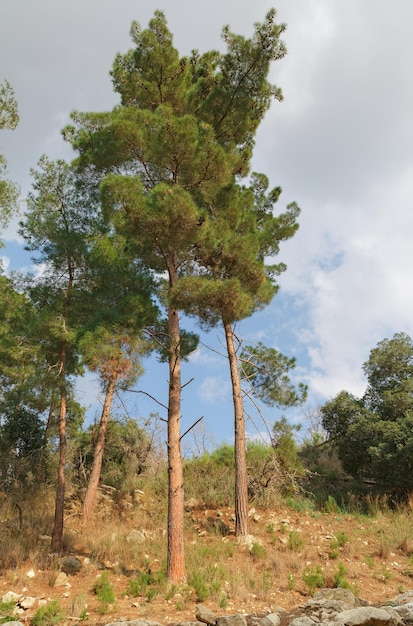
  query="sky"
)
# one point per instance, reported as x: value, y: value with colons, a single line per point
x: 340, y: 144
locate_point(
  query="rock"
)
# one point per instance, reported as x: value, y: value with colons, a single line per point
x: 340, y: 595
x: 205, y: 615
x: 249, y: 541
x: 273, y: 619
x: 27, y: 602
x: 134, y: 622
x: 12, y: 624
x: 367, y: 616
x: 405, y: 611
x: 11, y: 596
x: 70, y: 565
x: 232, y: 620
x: 61, y: 579
x: 302, y: 621
x: 402, y: 598
x: 136, y: 536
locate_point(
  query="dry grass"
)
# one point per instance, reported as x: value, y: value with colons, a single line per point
x: 292, y: 551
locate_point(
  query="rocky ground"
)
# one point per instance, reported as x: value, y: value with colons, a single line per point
x: 374, y: 554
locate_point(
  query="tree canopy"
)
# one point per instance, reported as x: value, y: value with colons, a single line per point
x: 9, y: 119
x: 374, y: 434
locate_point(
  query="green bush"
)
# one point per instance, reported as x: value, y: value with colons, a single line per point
x: 314, y: 578
x: 104, y: 590
x: 48, y: 615
x: 7, y: 612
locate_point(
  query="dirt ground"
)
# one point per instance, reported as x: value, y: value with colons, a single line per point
x: 374, y: 553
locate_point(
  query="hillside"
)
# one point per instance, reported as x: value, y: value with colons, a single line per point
x: 293, y: 553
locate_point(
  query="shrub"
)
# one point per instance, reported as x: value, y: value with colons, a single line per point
x: 104, y: 590
x: 48, y: 615
x: 314, y: 578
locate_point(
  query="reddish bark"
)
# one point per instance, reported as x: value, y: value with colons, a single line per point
x: 241, y: 476
x: 176, y: 553
x: 95, y: 473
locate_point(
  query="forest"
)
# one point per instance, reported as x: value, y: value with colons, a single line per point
x: 159, y: 216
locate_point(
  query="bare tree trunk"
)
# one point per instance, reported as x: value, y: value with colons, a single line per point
x: 94, y: 477
x: 176, y: 553
x: 57, y: 534
x: 241, y: 477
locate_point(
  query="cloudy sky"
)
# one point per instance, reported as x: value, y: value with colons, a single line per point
x: 340, y: 145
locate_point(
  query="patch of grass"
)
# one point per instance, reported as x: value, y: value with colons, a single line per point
x: 299, y: 504
x: 78, y: 607
x: 145, y: 584
x: 258, y: 551
x: 314, y: 578
x: 48, y: 615
x: 291, y: 581
x: 104, y: 590
x: 369, y: 561
x: 7, y: 612
x: 340, y: 577
x: 331, y: 506
x: 198, y: 581
x: 295, y: 541
x: 340, y: 540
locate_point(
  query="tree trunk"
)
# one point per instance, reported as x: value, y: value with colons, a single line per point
x: 176, y: 552
x: 241, y: 477
x: 57, y: 534
x: 94, y: 477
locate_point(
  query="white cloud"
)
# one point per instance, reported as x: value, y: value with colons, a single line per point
x: 4, y: 263
x: 214, y: 389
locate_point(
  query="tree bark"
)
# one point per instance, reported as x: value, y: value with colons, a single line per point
x: 176, y: 553
x: 241, y: 477
x: 57, y: 534
x: 95, y: 473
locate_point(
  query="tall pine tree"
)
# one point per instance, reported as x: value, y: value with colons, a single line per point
x: 185, y: 129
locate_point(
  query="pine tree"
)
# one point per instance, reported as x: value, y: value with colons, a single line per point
x: 184, y: 129
x: 57, y: 227
x: 9, y: 119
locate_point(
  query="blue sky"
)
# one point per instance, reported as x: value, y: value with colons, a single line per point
x: 340, y: 145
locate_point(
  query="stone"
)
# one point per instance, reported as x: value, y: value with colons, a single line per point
x: 11, y: 596
x: 273, y: 619
x: 405, y: 611
x: 205, y: 615
x: 134, y: 622
x: 61, y: 579
x: 340, y: 595
x: 70, y: 565
x: 136, y: 536
x: 367, y: 616
x: 302, y: 621
x: 232, y: 620
x: 27, y: 602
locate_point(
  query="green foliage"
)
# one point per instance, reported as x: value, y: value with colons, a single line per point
x: 267, y: 372
x: 295, y: 542
x: 258, y: 551
x: 9, y: 119
x: 127, y: 451
x: 145, y: 584
x: 48, y: 615
x: 200, y: 584
x: 331, y: 506
x: 340, y: 577
x: 291, y: 581
x: 7, y: 612
x: 104, y: 589
x: 373, y: 434
x: 314, y: 578
x: 340, y: 540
